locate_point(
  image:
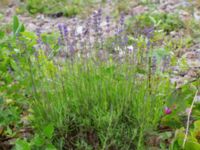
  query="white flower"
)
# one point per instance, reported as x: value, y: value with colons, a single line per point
x: 79, y: 29
x: 130, y: 48
x: 121, y: 53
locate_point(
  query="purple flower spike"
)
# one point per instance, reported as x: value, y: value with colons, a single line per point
x: 38, y: 33
x: 167, y: 110
x: 122, y: 18
x: 149, y: 32
x: 116, y: 30
x: 71, y: 49
x: 99, y: 15
x: 59, y: 41
x: 108, y: 24
x: 125, y: 40
x: 154, y: 64
x: 166, y: 63
x: 66, y: 31
x: 60, y: 27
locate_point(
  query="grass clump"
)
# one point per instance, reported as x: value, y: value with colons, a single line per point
x: 100, y: 104
x: 66, y: 8
x: 163, y: 21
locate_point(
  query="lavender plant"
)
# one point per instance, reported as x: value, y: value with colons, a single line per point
x: 107, y: 92
x: 98, y: 96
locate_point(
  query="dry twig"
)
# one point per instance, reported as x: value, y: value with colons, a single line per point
x: 188, y: 119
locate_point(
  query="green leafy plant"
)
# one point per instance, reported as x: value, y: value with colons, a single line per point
x: 17, y: 26
x: 13, y: 106
x: 193, y: 140
x: 51, y: 7
x: 39, y: 141
x: 162, y: 21
x: 96, y: 107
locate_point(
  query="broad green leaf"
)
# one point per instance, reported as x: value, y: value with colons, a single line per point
x: 1, y: 15
x: 22, y: 145
x: 15, y: 24
x: 29, y: 35
x: 2, y: 34
x: 192, y: 145
x: 50, y: 147
x: 38, y: 141
x: 152, y: 19
x: 20, y: 28
x: 1, y: 99
x: 197, y: 124
x: 13, y: 64
x: 196, y: 132
x: 48, y: 131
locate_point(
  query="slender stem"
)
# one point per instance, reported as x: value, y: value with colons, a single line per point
x: 188, y: 119
x: 32, y: 78
x: 149, y: 76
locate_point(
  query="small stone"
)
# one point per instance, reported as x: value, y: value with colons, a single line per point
x: 192, y: 74
x: 196, y: 14
x: 191, y: 55
x: 138, y: 10
x: 193, y: 63
x: 32, y: 26
x: 184, y: 15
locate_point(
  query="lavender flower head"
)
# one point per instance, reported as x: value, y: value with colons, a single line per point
x: 166, y: 63
x: 107, y: 24
x: 71, y: 49
x: 122, y: 18
x: 59, y: 41
x: 38, y: 33
x: 149, y: 32
x: 154, y: 66
x: 66, y: 31
x: 60, y: 27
